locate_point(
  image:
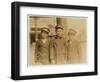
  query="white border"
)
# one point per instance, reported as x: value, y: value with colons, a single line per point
x: 54, y: 69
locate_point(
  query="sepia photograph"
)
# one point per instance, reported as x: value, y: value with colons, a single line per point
x: 53, y: 40
x: 56, y: 40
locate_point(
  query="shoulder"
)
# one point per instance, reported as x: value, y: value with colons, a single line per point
x: 64, y: 39
x: 38, y: 41
x: 52, y: 38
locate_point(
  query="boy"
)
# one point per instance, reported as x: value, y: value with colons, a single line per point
x: 42, y: 48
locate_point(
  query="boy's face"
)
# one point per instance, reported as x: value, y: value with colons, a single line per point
x: 59, y: 32
x: 44, y: 34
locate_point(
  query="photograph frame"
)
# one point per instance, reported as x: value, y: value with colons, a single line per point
x: 15, y: 40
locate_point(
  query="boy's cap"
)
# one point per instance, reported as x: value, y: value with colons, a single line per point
x: 59, y: 27
x: 72, y: 31
x: 45, y: 30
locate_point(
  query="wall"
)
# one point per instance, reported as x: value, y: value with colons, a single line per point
x: 5, y: 40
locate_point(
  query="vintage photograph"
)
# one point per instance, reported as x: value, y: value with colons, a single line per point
x: 53, y: 40
x: 56, y: 40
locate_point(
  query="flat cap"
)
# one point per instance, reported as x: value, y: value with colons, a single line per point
x: 72, y: 31
x: 44, y: 29
x: 59, y: 27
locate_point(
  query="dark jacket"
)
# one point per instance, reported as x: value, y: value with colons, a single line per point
x: 58, y: 50
x: 42, y: 55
